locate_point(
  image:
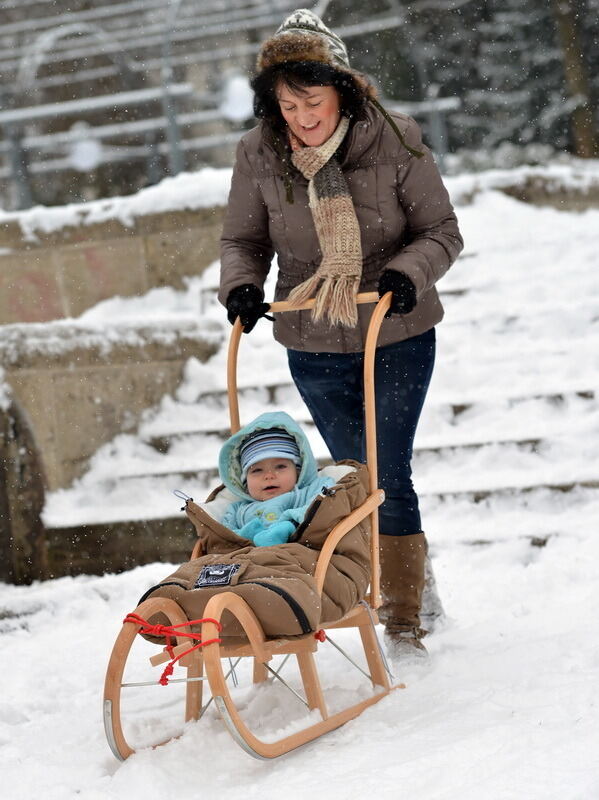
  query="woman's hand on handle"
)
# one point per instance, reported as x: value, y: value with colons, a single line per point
x: 404, y: 291
x: 246, y: 302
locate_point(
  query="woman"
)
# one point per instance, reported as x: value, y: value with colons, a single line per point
x: 349, y: 199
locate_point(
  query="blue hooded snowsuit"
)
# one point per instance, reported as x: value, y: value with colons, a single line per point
x: 270, y: 521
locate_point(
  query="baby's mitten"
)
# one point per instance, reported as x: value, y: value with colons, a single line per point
x: 251, y: 528
x: 277, y: 533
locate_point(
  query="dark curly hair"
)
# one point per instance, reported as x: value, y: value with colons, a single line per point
x: 354, y: 89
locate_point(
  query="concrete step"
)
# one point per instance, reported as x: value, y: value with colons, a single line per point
x: 210, y: 416
x: 207, y: 479
x: 97, y: 548
x: 514, y: 489
x: 123, y: 544
x: 206, y: 470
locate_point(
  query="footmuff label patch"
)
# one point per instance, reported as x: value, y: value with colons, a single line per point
x: 216, y: 575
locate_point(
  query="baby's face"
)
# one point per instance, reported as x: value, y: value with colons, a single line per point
x: 271, y: 477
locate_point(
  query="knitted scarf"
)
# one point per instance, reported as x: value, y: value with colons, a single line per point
x: 337, y: 229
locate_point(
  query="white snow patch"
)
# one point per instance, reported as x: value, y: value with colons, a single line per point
x: 507, y: 706
x: 189, y: 190
x: 5, y: 392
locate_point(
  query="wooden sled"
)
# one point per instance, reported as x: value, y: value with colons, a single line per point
x: 215, y: 662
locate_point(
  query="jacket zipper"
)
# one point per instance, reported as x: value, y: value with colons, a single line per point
x: 309, y: 516
x: 299, y: 612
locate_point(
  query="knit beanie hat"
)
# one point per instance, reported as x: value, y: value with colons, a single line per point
x: 303, y: 37
x: 269, y: 443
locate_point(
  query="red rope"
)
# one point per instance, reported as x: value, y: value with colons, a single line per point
x: 170, y: 631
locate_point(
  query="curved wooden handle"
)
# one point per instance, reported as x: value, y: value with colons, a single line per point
x: 280, y: 307
x: 383, y: 305
x: 374, y: 327
x: 232, y: 375
x: 338, y: 532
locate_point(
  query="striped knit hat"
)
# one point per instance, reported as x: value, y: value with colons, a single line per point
x: 269, y: 443
x: 303, y: 36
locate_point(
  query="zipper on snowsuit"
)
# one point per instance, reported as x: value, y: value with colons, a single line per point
x: 295, y: 607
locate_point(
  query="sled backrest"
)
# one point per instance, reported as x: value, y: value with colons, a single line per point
x: 382, y: 306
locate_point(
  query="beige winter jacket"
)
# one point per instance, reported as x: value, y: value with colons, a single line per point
x: 277, y: 582
x: 406, y: 220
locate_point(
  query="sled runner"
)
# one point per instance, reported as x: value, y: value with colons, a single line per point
x: 216, y: 614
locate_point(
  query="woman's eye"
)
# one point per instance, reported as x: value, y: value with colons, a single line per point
x: 314, y: 105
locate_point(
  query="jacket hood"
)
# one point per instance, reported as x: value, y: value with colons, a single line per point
x: 229, y: 465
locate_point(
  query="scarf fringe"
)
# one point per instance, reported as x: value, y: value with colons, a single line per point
x: 304, y: 291
x: 335, y: 300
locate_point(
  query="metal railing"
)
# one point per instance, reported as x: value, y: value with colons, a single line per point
x: 156, y: 139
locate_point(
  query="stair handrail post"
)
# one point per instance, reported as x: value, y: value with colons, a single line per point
x: 173, y: 132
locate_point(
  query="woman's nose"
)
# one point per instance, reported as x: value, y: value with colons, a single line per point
x: 304, y: 117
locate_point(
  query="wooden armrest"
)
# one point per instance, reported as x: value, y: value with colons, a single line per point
x: 368, y: 506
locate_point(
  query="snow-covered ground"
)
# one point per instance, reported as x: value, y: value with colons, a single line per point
x: 506, y: 707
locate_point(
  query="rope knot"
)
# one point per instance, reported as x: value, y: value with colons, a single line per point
x: 168, y: 671
x: 172, y: 631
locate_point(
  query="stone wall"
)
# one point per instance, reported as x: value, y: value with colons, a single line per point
x: 72, y: 390
x: 79, y: 387
x: 63, y: 273
x: 74, y: 386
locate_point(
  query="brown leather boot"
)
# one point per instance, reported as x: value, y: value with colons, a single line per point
x: 402, y: 582
x: 431, y: 607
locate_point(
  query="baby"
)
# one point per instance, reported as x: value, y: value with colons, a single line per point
x: 269, y: 465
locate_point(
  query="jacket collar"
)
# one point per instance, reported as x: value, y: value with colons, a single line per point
x: 362, y: 134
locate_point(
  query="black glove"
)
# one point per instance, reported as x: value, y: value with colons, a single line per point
x: 404, y: 292
x: 246, y: 303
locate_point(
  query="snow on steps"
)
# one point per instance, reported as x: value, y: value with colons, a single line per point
x: 463, y: 448
x: 185, y: 446
x: 483, y: 458
x: 509, y: 429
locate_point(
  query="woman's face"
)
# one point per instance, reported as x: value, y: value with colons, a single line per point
x: 313, y: 114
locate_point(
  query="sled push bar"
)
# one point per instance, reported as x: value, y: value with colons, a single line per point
x: 382, y: 306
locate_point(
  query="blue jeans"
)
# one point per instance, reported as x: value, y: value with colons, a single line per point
x: 331, y: 386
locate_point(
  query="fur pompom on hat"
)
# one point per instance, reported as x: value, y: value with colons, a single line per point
x: 303, y: 37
